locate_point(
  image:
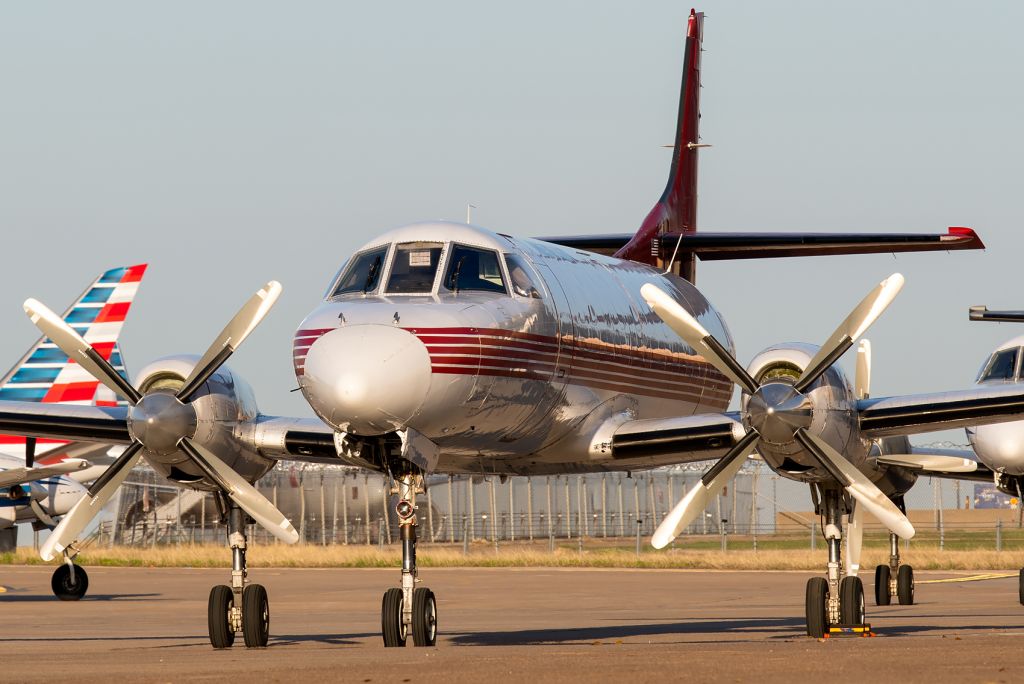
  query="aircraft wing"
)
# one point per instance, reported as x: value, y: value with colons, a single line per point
x: 17, y: 476
x: 274, y: 437
x: 916, y: 413
x: 720, y: 246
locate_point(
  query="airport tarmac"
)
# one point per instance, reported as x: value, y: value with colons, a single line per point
x: 505, y: 624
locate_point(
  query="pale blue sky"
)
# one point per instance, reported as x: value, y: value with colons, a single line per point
x: 230, y: 143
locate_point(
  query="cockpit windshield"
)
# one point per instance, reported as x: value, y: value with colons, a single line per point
x: 470, y: 268
x: 1001, y: 366
x: 414, y: 268
x: 523, y: 280
x: 363, y: 272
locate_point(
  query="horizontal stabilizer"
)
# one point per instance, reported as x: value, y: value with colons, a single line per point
x: 17, y: 476
x: 981, y: 313
x: 723, y: 246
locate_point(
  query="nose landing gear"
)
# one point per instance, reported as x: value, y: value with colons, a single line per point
x: 242, y: 607
x: 894, y: 578
x: 410, y: 609
x: 835, y: 601
x: 69, y: 581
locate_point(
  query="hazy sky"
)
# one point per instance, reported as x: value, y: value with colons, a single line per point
x: 230, y: 143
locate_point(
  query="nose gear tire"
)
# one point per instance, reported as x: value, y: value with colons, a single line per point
x: 255, y: 616
x: 424, y: 617
x: 883, y: 596
x: 815, y: 605
x: 222, y: 600
x: 391, y: 625
x: 62, y: 586
x: 905, y: 585
x: 851, y: 601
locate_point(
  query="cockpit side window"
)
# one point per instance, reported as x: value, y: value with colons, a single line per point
x: 473, y: 269
x: 414, y: 268
x: 1001, y: 366
x: 363, y: 272
x: 522, y: 277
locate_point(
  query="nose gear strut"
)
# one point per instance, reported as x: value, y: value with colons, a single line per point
x: 411, y: 608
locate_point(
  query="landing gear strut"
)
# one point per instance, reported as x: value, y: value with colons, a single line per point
x: 894, y: 578
x: 834, y: 600
x: 410, y: 609
x: 69, y: 581
x: 242, y: 607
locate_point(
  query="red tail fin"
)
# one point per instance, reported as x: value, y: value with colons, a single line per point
x: 676, y: 210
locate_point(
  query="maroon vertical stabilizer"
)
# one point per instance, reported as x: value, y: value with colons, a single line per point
x: 676, y: 210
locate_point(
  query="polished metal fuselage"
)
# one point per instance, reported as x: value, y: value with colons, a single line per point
x: 521, y: 384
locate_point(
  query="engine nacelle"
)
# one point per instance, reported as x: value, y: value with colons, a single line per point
x: 223, y: 402
x: 826, y: 409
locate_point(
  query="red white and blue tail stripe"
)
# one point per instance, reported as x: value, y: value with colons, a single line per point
x: 46, y: 374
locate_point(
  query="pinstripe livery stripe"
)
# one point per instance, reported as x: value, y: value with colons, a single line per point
x: 590, y: 363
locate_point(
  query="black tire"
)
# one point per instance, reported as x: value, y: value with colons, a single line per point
x: 64, y: 588
x: 905, y: 585
x: 222, y: 600
x: 815, y: 605
x: 1020, y: 586
x: 255, y: 616
x: 424, y: 617
x: 883, y: 595
x: 391, y: 625
x: 851, y: 601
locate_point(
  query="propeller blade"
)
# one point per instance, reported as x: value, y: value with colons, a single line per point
x: 241, y: 492
x: 244, y: 322
x: 80, y: 351
x: 855, y: 325
x: 862, y: 381
x: 696, y: 500
x: 79, y: 517
x: 857, y: 484
x: 694, y: 334
x: 30, y: 452
x: 854, y: 540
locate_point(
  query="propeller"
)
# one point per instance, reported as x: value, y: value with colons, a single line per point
x: 30, y: 452
x: 854, y: 540
x: 162, y: 423
x: 778, y: 411
x: 862, y: 380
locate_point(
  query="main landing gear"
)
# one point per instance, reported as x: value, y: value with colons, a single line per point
x: 242, y: 607
x: 69, y: 581
x: 410, y: 609
x: 835, y: 600
x: 894, y: 578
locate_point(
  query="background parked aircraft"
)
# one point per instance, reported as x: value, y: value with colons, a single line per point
x: 40, y: 478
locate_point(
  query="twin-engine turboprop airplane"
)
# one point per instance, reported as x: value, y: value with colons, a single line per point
x: 448, y: 348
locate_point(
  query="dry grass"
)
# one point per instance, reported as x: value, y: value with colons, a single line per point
x: 480, y: 555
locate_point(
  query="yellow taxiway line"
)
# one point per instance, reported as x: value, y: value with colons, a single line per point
x: 971, y: 578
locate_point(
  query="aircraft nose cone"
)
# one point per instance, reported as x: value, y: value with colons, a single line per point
x: 367, y: 379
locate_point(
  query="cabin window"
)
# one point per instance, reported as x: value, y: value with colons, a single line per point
x: 363, y: 272
x: 414, y: 268
x: 473, y: 269
x: 1001, y: 366
x: 522, y: 277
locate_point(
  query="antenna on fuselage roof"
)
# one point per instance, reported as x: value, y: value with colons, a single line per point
x: 469, y: 212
